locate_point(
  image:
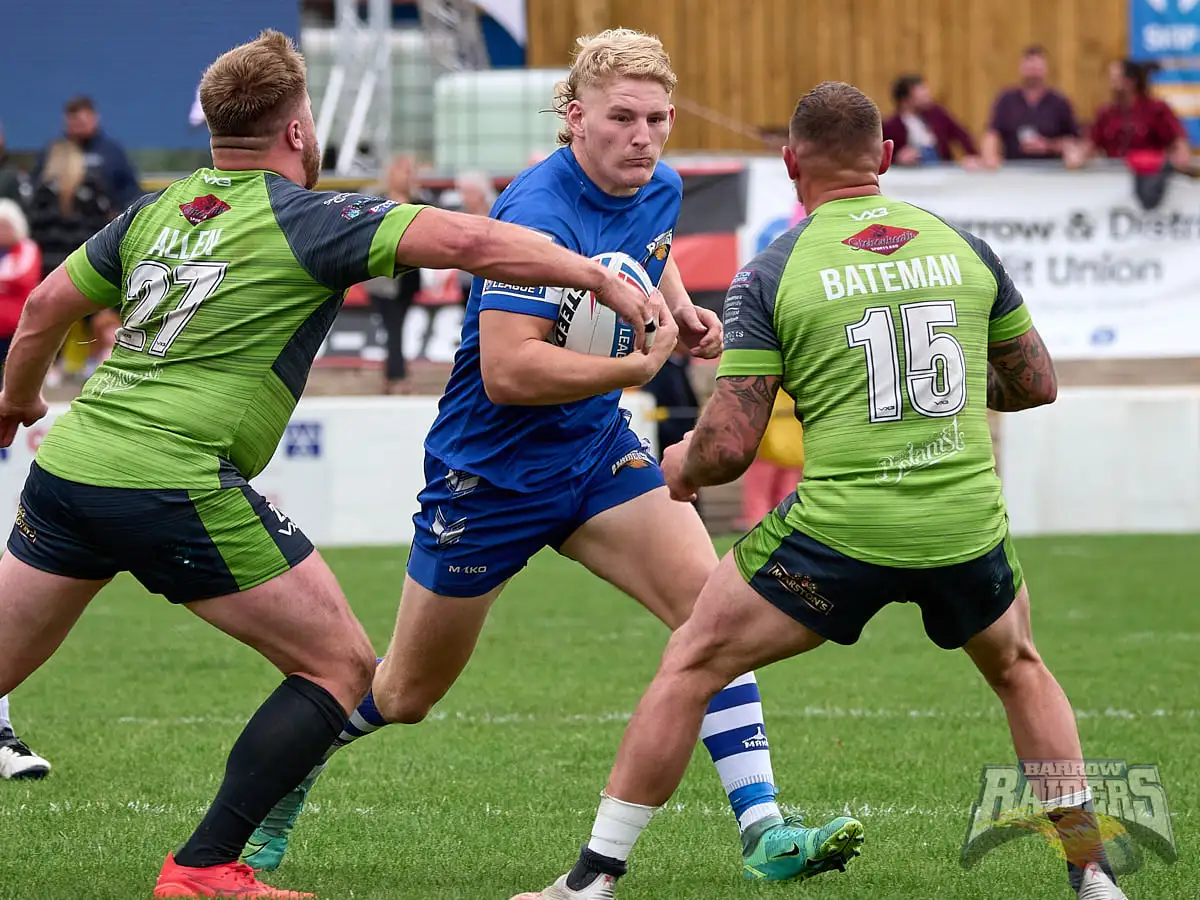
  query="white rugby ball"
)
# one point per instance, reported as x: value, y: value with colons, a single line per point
x: 587, y: 326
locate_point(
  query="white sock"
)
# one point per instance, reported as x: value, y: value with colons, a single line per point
x: 5, y: 724
x: 618, y: 825
x: 1068, y: 801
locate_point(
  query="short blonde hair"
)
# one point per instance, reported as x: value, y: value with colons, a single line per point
x: 615, y: 53
x: 252, y: 90
x: 10, y: 212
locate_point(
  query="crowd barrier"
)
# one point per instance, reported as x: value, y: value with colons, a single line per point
x: 1100, y: 460
x: 1104, y: 461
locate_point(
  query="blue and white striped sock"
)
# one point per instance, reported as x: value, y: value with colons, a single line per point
x: 363, y: 721
x: 736, y: 739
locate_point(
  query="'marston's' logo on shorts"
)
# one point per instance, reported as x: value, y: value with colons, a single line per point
x: 802, y: 586
x: 23, y: 526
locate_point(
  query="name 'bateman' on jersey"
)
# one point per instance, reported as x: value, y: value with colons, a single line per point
x: 892, y: 276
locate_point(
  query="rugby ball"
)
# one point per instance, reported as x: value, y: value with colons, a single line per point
x: 587, y: 326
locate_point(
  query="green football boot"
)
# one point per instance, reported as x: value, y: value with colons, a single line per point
x: 266, y: 847
x: 774, y: 850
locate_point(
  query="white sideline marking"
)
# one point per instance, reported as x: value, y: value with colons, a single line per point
x: 809, y: 712
x: 859, y: 809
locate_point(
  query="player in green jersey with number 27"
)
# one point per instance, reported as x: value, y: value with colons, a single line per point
x: 227, y: 282
x: 895, y: 333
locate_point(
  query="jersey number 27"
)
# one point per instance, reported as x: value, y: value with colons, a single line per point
x: 936, y: 376
x: 149, y: 284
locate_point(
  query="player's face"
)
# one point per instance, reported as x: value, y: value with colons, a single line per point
x: 8, y: 234
x: 619, y: 129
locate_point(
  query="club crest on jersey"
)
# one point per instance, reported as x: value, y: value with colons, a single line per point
x: 202, y: 209
x: 882, y: 239
x: 660, y: 247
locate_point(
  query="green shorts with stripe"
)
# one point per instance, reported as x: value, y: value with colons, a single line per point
x: 184, y: 544
x: 836, y: 595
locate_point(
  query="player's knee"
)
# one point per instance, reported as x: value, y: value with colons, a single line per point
x: 401, y: 707
x: 348, y: 677
x: 1015, y: 668
x: 399, y: 701
x: 695, y: 654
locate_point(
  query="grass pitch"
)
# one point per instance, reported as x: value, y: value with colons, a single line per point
x: 497, y: 791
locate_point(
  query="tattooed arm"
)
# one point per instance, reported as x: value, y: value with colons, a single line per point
x: 727, y: 436
x: 1020, y: 374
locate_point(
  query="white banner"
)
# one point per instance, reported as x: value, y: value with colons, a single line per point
x: 348, y: 469
x: 1102, y: 277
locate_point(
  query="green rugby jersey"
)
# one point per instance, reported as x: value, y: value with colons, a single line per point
x: 878, y: 316
x: 227, y: 282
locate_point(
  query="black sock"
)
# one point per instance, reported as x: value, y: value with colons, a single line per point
x: 589, y: 865
x: 1079, y: 831
x: 284, y: 739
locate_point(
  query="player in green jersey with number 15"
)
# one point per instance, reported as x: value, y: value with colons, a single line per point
x: 895, y: 333
x: 227, y: 281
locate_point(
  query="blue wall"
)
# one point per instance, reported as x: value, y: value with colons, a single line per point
x: 139, y: 59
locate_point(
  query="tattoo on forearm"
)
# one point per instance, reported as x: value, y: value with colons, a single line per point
x: 729, y: 431
x: 1020, y: 374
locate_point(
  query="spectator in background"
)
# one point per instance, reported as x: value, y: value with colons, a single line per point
x: 923, y: 131
x: 68, y: 206
x: 476, y: 195
x: 13, y: 184
x: 392, y: 298
x: 104, y: 157
x: 1031, y: 120
x: 675, y: 398
x: 1134, y: 122
x: 20, y: 269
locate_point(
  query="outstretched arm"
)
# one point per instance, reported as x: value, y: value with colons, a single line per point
x: 437, y: 239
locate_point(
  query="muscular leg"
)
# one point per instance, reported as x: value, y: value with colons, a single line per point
x: 659, y: 552
x: 1043, y: 731
x: 1039, y: 714
x: 732, y: 629
x: 37, y: 610
x: 432, y: 642
x: 301, y: 622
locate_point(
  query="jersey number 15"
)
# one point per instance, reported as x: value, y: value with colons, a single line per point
x: 936, y: 376
x: 149, y: 284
